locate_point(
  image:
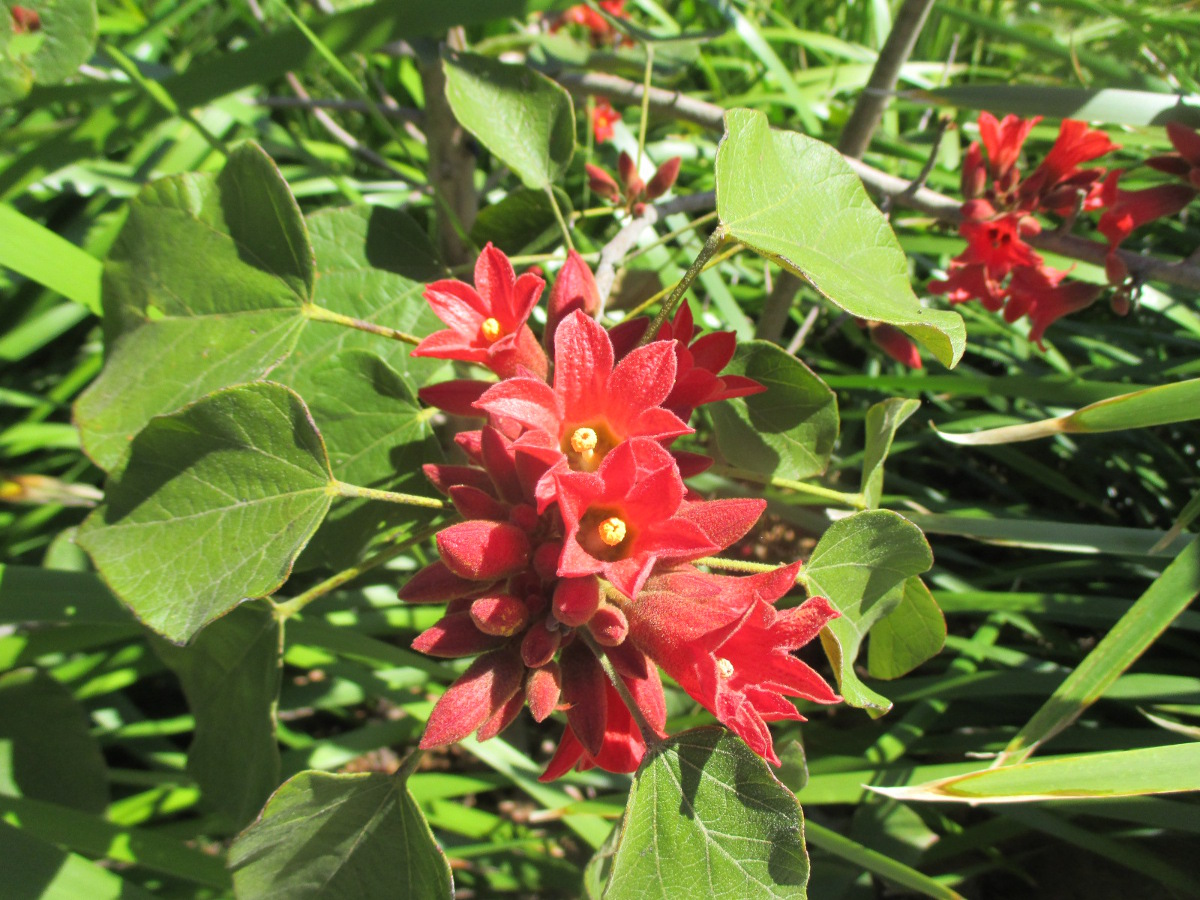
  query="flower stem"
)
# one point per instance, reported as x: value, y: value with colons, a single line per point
x: 645, y: 102
x: 562, y: 223
x: 650, y: 301
x: 649, y: 735
x: 854, y: 501
x: 341, y: 489
x: 289, y: 608
x: 320, y: 314
x: 714, y: 242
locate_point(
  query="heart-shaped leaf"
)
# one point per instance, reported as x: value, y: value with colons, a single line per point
x: 787, y: 431
x: 795, y: 200
x: 522, y: 116
x: 340, y: 837
x: 214, y: 504
x: 706, y: 815
x: 860, y: 564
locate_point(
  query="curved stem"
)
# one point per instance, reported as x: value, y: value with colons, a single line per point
x: 289, y: 608
x: 855, y: 501
x: 714, y: 242
x: 341, y: 489
x: 649, y: 735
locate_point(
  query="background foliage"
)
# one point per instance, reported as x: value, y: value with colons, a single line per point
x: 1057, y: 586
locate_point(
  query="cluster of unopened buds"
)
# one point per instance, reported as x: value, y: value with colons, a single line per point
x: 573, y: 575
x: 628, y: 190
x: 999, y: 268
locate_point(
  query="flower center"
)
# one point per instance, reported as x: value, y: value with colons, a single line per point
x: 724, y: 668
x: 490, y: 329
x: 586, y: 446
x: 612, y: 531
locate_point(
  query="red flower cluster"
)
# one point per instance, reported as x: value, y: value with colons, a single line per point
x: 632, y: 192
x: 604, y: 118
x: 578, y: 533
x: 600, y: 30
x: 999, y: 268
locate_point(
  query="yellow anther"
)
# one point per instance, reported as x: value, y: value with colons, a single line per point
x: 724, y: 667
x: 583, y: 440
x: 490, y: 329
x: 612, y: 531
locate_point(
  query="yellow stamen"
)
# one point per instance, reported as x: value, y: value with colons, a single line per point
x: 612, y: 531
x: 724, y: 668
x: 490, y: 329
x: 583, y: 440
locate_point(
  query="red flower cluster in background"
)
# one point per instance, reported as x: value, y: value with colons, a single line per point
x: 999, y: 268
x: 600, y: 29
x: 579, y: 536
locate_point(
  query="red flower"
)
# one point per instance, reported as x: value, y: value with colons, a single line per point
x: 593, y: 406
x: 487, y: 322
x: 1042, y: 294
x: 698, y: 363
x: 1129, y: 210
x: 604, y: 117
x: 621, y: 520
x: 1003, y: 141
x: 970, y: 281
x: 1056, y: 184
x: 724, y: 643
x: 1184, y: 162
x: 997, y: 243
x: 601, y: 30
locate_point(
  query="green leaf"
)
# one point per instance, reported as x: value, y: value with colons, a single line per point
x: 230, y: 675
x: 1128, y: 773
x: 31, y: 594
x: 38, y: 253
x: 795, y: 200
x: 911, y: 634
x: 706, y: 816
x: 522, y: 116
x: 883, y: 420
x: 860, y: 564
x: 213, y: 507
x: 377, y: 437
x: 65, y: 41
x: 518, y: 220
x: 204, y: 288
x: 865, y: 859
x: 46, y: 750
x: 787, y: 431
x: 358, y: 837
x: 1170, y: 594
x: 95, y: 836
x: 32, y: 869
x: 1162, y: 405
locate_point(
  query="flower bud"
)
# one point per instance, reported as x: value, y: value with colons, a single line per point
x: 574, y: 288
x: 609, y: 626
x: 543, y: 687
x: 576, y: 600
x: 499, y: 614
x: 539, y: 645
x: 663, y: 179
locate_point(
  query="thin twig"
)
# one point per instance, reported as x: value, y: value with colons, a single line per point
x: 399, y: 113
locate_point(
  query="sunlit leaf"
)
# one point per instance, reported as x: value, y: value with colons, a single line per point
x: 706, y: 815
x: 796, y: 201
x: 340, y: 837
x: 909, y: 635
x: 214, y: 505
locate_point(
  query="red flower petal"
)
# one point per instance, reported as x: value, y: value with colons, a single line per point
x: 437, y: 584
x: 479, y: 693
x: 583, y: 686
x: 455, y: 636
x: 543, y: 688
